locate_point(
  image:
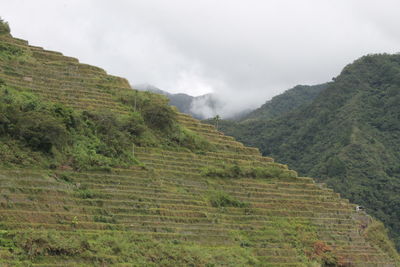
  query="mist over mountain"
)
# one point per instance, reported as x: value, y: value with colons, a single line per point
x: 291, y: 99
x: 201, y: 107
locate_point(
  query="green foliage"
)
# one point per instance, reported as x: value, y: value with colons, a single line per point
x: 86, y: 193
x: 299, y: 236
x: 302, y: 235
x: 4, y: 27
x: 236, y: 171
x: 347, y: 137
x: 154, y: 109
x: 188, y: 139
x: 8, y: 51
x: 61, y: 136
x: 37, y: 243
x: 34, y: 132
x: 104, y: 219
x: 128, y: 248
x: 291, y: 99
x: 219, y: 199
x: 39, y: 130
x: 160, y: 118
x: 376, y: 234
x: 216, y: 120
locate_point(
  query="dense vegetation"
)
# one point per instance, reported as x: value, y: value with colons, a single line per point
x: 287, y: 101
x: 236, y: 171
x: 291, y: 99
x: 348, y: 136
x: 38, y: 133
x: 4, y: 27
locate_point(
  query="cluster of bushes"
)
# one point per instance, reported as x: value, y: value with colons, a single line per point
x: 35, y: 244
x: 4, y: 27
x: 8, y: 51
x: 62, y: 136
x: 161, y: 119
x: 236, y: 171
x: 219, y: 199
x: 36, y: 132
x: 154, y: 108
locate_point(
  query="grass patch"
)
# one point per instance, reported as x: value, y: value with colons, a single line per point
x: 219, y: 199
x: 86, y: 194
x: 128, y: 248
x: 237, y: 171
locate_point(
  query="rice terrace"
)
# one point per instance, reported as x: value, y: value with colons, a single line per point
x: 94, y: 172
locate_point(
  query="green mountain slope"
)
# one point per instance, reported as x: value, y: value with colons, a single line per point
x: 347, y: 137
x: 145, y: 185
x: 291, y: 99
x: 287, y: 101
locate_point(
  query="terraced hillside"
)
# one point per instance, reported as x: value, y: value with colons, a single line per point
x: 57, y: 77
x: 171, y: 215
x: 222, y: 206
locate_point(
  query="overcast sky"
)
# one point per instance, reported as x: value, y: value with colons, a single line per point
x: 244, y: 51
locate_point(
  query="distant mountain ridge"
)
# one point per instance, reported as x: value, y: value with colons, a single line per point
x: 200, y: 107
x: 287, y: 101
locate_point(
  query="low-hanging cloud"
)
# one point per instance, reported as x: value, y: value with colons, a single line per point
x: 244, y: 52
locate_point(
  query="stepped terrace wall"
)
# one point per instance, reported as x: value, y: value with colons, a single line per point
x: 169, y: 213
x: 57, y: 77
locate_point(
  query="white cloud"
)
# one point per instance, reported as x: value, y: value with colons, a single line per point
x: 244, y: 51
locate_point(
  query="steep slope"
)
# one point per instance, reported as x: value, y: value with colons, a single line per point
x: 194, y: 198
x: 59, y: 78
x: 287, y: 101
x: 348, y: 137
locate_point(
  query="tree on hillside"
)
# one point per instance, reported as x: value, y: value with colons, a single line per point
x: 216, y: 119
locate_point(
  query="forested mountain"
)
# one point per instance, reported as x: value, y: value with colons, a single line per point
x: 287, y: 101
x: 348, y: 136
